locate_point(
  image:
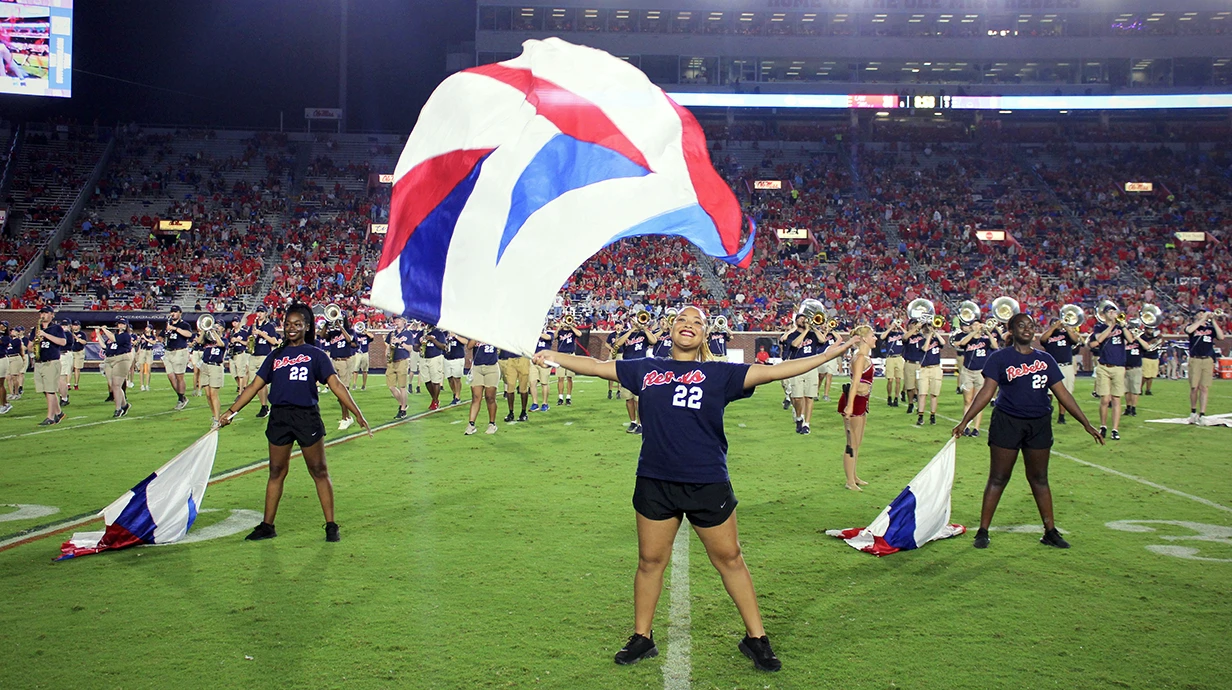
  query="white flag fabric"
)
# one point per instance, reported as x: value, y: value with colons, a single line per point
x: 159, y: 510
x: 920, y: 514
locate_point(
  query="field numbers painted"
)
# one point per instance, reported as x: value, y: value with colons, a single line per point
x: 1202, y: 532
x: 239, y: 520
x: 26, y: 511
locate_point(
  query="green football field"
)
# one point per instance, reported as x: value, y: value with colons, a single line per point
x: 507, y: 560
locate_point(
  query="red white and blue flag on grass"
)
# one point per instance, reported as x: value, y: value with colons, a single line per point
x: 920, y: 514
x: 517, y: 172
x: 159, y: 510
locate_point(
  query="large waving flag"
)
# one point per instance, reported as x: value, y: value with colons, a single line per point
x: 920, y: 514
x: 159, y: 510
x: 518, y: 172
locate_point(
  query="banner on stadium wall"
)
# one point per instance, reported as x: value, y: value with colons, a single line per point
x: 322, y: 113
x: 767, y: 184
x: 793, y: 233
x: 990, y: 235
x: 378, y: 228
x: 175, y: 225
x: 1139, y: 187
x: 1191, y: 236
x: 385, y: 178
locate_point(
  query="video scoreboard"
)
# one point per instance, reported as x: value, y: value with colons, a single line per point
x: 36, y: 47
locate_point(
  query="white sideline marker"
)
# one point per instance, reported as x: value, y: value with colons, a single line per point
x: 678, y: 666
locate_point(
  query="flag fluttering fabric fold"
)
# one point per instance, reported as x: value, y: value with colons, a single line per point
x: 517, y: 172
x: 158, y: 510
x: 920, y: 514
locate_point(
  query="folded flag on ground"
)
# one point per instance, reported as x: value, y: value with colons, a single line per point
x: 920, y: 514
x: 159, y: 510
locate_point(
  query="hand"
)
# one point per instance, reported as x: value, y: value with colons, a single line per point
x: 540, y: 358
x: 364, y: 423
x: 1095, y: 434
x: 957, y: 431
x: 225, y: 419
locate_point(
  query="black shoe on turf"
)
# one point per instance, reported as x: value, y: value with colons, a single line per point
x: 1053, y: 538
x: 758, y: 649
x: 638, y: 431
x: 981, y: 539
x: 609, y: 394
x: 637, y: 648
x: 63, y: 402
x: 966, y: 432
x: 1147, y: 393
x: 632, y: 428
x: 47, y: 422
x: 568, y: 402
x: 786, y: 403
x: 264, y: 411
x: 919, y: 421
x: 1103, y: 431
x: 110, y: 397
x: 975, y: 433
x: 58, y: 418
x: 124, y: 410
x: 262, y: 531
x: 331, y: 532
x: 401, y: 414
x: 1060, y: 419
x: 1116, y: 435
x: 932, y: 419
x: 910, y: 408
x: 509, y: 418
x: 896, y: 404
x: 804, y: 430
x: 799, y: 425
x: 115, y: 415
x: 560, y: 402
x: 523, y: 418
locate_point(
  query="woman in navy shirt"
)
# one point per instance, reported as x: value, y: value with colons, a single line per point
x: 118, y: 347
x: 484, y: 377
x: 293, y: 371
x: 682, y: 467
x: 1021, y: 420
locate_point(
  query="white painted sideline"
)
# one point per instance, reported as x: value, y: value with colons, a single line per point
x: 678, y: 666
x: 57, y: 427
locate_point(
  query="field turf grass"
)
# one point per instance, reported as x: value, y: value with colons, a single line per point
x: 507, y: 560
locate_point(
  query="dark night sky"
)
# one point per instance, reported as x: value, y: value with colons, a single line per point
x: 243, y: 62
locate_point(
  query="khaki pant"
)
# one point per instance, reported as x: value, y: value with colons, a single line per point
x: 47, y: 377
x: 830, y: 367
x: 4, y: 369
x: 1133, y: 381
x: 362, y: 362
x: 486, y: 375
x: 343, y: 368
x: 804, y: 385
x: 175, y: 361
x: 395, y: 374
x: 1150, y: 368
x: 145, y: 357
x: 894, y: 367
x: 66, y: 364
x: 79, y: 360
x: 563, y: 373
x: 239, y: 365
x: 1067, y: 371
x: 17, y: 365
x: 414, y: 363
x: 433, y: 369
x: 930, y: 380
x: 970, y: 380
x: 540, y: 376
x: 516, y: 373
x: 117, y: 368
x: 910, y: 372
x: 1201, y: 372
x: 626, y: 394
x: 455, y: 368
x: 1110, y: 381
x: 213, y: 375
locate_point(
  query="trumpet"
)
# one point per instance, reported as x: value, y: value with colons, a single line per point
x: 333, y: 313
x: 1219, y: 313
x: 569, y: 319
x: 809, y: 308
x: 642, y: 318
x: 1004, y: 308
x: 819, y: 319
x: 938, y: 321
x: 670, y: 314
x: 968, y: 312
x: 1120, y: 318
x: 1072, y: 315
x: 720, y: 323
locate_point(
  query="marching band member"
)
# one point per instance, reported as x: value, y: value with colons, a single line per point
x: 78, y: 343
x: 361, y: 361
x: 515, y: 370
x: 434, y: 363
x: 1134, y: 348
x: 48, y: 338
x: 293, y: 371
x: 144, y: 358
x: 1150, y: 358
x: 66, y: 363
x: 803, y: 343
x: 338, y: 342
x: 118, y: 349
x: 1110, y: 376
x: 662, y: 345
x: 682, y: 469
x: 930, y: 373
x: 566, y: 343
x: 5, y: 407
x: 175, y: 354
x: 399, y: 347
x: 826, y: 372
x: 16, y: 357
x: 976, y: 346
x: 213, y: 351
x: 717, y: 343
x: 266, y: 334
x: 455, y: 365
x: 892, y: 337
x: 633, y: 344
x: 198, y: 368
x: 540, y: 377
x: 853, y: 403
x: 1059, y: 341
x: 237, y: 339
x: 485, y: 374
x: 912, y: 354
x: 613, y: 387
x: 1202, y: 335
x: 415, y: 367
x: 1021, y: 420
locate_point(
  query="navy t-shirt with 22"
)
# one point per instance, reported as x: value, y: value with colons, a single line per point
x: 1023, y: 381
x: 682, y: 414
x: 293, y: 375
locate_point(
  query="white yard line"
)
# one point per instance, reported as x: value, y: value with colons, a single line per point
x: 57, y: 427
x: 678, y: 666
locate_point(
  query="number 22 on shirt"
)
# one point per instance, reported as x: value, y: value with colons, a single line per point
x: 688, y: 396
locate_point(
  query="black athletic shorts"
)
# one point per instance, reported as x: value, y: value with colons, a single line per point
x: 288, y: 424
x: 1015, y: 432
x: 706, y: 505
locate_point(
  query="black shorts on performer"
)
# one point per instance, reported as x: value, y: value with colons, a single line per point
x: 290, y: 423
x: 1014, y: 433
x: 706, y: 505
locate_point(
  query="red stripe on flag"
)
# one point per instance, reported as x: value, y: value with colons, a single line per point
x: 572, y: 114
x: 420, y: 191
x: 714, y: 195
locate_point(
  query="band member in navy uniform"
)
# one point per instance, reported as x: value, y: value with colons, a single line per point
x: 718, y: 344
x: 540, y: 377
x: 340, y: 340
x: 1202, y: 335
x: 802, y: 343
x: 363, y: 342
x: 213, y: 352
x: 118, y: 350
x: 485, y: 375
x: 455, y: 365
x: 1150, y: 358
x: 976, y: 346
x: 930, y: 373
x: 566, y: 342
x: 5, y: 340
x: 399, y: 342
x: 433, y: 364
x: 633, y: 344
x: 237, y: 338
x: 663, y: 340
x: 682, y: 469
x: 293, y: 371
x: 892, y: 339
x: 1109, y: 337
x: 1059, y: 340
x: 266, y: 334
x: 1134, y: 347
x: 51, y: 338
x: 913, y: 339
x: 78, y: 342
x: 176, y: 353
x: 1021, y: 420
x: 613, y: 387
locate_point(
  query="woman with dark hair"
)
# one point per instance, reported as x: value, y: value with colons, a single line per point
x: 1021, y: 421
x: 293, y: 370
x: 682, y: 468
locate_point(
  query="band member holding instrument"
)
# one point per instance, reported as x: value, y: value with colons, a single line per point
x: 293, y: 371
x: 1110, y: 376
x: 682, y: 469
x: 515, y: 371
x: 830, y: 369
x: 194, y: 359
x: 717, y: 343
x: 1059, y: 340
x: 613, y: 387
x: 16, y: 357
x: 5, y: 340
x: 78, y: 338
x: 118, y: 347
x: 633, y: 344
x: 143, y: 357
x: 662, y: 347
x: 47, y: 339
x: 1202, y: 335
x: 434, y: 347
x: 213, y: 351
x: 176, y: 353
x: 567, y: 334
x: 1134, y: 348
x: 1150, y: 358
x: 976, y: 345
x: 892, y: 337
x: 1021, y: 421
x: 853, y: 404
x: 399, y: 348
x: 485, y: 375
x: 265, y: 339
x: 455, y: 365
x: 803, y: 343
x: 912, y: 354
x: 338, y: 342
x: 237, y: 342
x: 930, y: 373
x: 540, y: 377
x: 415, y: 334
x: 363, y: 342
x: 66, y: 364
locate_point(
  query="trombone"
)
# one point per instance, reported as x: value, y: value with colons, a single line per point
x: 720, y: 324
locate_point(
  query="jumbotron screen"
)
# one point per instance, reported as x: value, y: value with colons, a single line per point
x: 36, y: 47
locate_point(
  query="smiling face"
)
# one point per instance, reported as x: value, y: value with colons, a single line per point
x: 295, y: 326
x: 689, y: 329
x: 1022, y: 329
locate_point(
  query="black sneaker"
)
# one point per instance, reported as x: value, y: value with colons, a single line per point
x: 609, y: 394
x: 804, y: 430
x: 509, y: 418
x: 966, y: 432
x: 919, y: 421
x: 786, y: 403
x: 262, y: 531
x: 896, y: 404
x: 632, y: 428
x: 63, y: 402
x: 758, y: 649
x: 110, y: 398
x: 568, y: 402
x: 1147, y: 392
x: 523, y: 418
x: 975, y: 433
x: 1061, y: 419
x: 799, y: 425
x: 47, y: 422
x: 932, y: 419
x: 264, y: 412
x: 401, y: 414
x: 637, y: 648
x: 638, y: 431
x: 1116, y: 435
x: 115, y: 414
x: 1053, y: 538
x: 58, y: 418
x: 910, y: 407
x: 560, y: 401
x: 981, y: 539
x: 124, y: 410
x: 1103, y: 431
x: 331, y: 532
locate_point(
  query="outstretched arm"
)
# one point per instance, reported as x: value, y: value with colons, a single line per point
x: 586, y: 366
x: 793, y: 367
